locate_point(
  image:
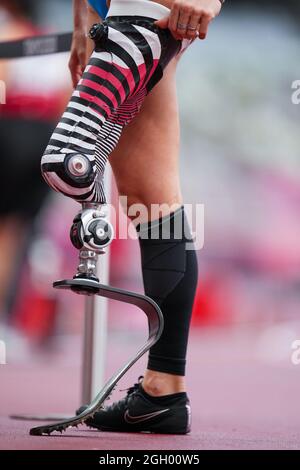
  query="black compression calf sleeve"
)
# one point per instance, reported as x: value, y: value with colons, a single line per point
x: 170, y: 275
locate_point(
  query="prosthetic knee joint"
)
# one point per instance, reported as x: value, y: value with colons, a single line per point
x: 72, y: 174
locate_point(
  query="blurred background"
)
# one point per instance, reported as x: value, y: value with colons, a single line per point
x: 240, y: 157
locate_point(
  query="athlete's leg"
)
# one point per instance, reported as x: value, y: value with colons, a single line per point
x: 155, y: 179
x: 149, y: 146
x: 160, y: 403
x: 154, y: 157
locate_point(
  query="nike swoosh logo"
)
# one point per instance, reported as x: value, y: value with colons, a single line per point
x: 138, y: 419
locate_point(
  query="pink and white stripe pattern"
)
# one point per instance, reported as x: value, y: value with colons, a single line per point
x: 124, y: 67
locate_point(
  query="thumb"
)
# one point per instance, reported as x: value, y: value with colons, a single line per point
x: 163, y: 22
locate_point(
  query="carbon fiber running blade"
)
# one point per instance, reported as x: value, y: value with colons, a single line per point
x: 155, y: 326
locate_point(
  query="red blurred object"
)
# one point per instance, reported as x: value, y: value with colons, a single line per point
x: 35, y: 315
x: 212, y: 303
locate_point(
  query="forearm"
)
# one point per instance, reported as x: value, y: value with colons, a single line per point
x: 77, y: 60
x: 92, y: 18
x: 80, y: 15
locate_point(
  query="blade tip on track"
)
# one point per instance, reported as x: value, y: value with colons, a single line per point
x: 35, y: 432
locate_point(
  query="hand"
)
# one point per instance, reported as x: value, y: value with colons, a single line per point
x: 78, y: 58
x: 190, y: 18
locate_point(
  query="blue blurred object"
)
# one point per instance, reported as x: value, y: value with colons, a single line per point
x: 100, y: 7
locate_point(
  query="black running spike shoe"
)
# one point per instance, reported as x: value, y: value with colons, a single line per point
x: 140, y: 412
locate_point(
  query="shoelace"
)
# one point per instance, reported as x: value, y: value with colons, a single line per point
x: 130, y: 391
x: 133, y: 388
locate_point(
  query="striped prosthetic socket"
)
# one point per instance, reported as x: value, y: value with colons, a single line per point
x: 127, y: 62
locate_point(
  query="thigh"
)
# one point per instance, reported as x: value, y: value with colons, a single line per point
x: 145, y: 162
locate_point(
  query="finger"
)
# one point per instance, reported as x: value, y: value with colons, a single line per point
x: 183, y: 21
x: 163, y: 22
x: 173, y: 19
x: 204, y: 23
x: 176, y: 36
x: 193, y: 26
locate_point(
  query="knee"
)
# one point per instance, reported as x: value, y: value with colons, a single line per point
x: 142, y: 207
x: 72, y: 174
x: 140, y: 191
x: 131, y: 203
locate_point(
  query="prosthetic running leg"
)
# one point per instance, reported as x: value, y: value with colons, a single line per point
x: 91, y: 233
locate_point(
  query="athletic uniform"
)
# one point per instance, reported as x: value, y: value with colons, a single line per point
x: 100, y: 7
